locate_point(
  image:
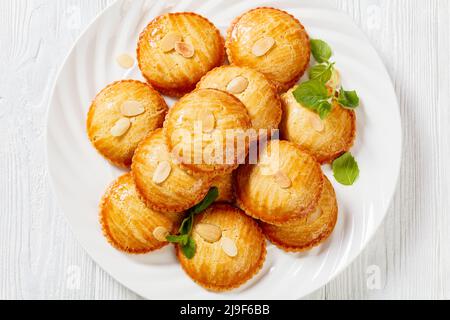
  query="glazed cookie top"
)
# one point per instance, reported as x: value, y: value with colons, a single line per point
x: 285, y: 184
x: 177, y: 49
x: 203, y: 130
x: 325, y: 139
x: 252, y: 88
x: 230, y: 249
x: 121, y: 116
x: 165, y: 186
x: 128, y: 224
x: 310, y: 231
x: 270, y: 41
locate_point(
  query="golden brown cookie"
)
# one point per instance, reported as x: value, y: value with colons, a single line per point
x: 201, y: 128
x: 252, y: 88
x: 225, y: 184
x: 325, y: 139
x: 230, y: 249
x: 272, y: 42
x: 128, y: 224
x: 177, y: 49
x: 121, y: 116
x: 285, y: 185
x: 308, y: 232
x: 165, y: 186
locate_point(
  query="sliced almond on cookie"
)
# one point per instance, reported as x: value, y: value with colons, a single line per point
x: 162, y: 172
x: 160, y: 234
x: 208, y: 122
x: 237, y: 85
x: 229, y: 247
x: 121, y: 127
x: 167, y: 43
x: 263, y: 46
x: 283, y: 180
x: 132, y: 108
x: 184, y: 49
x: 210, y: 233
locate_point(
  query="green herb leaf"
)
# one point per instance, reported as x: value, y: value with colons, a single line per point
x: 324, y: 109
x: 311, y: 93
x: 187, y: 224
x: 189, y: 248
x: 321, y: 72
x: 181, y: 239
x: 348, y: 99
x: 345, y: 169
x: 321, y: 50
x: 210, y: 198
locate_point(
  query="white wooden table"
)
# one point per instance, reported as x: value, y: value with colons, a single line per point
x: 411, y: 251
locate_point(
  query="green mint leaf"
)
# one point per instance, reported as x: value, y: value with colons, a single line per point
x: 345, y: 169
x: 311, y: 93
x: 210, y: 198
x: 348, y: 99
x: 187, y: 224
x: 321, y: 72
x: 321, y: 50
x: 324, y: 109
x: 189, y: 248
x: 182, y: 239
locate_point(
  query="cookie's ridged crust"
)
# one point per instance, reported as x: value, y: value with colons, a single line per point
x: 301, y: 236
x: 225, y: 184
x: 337, y: 137
x: 127, y: 223
x: 179, y: 192
x: 211, y: 267
x: 170, y: 73
x: 259, y: 195
x: 105, y: 112
x: 287, y: 61
x: 230, y: 114
x: 260, y: 98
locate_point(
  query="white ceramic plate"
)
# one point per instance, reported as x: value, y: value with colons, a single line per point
x: 80, y: 176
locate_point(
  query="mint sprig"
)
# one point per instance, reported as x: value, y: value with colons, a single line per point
x: 314, y: 95
x: 321, y: 72
x: 321, y: 50
x: 346, y: 169
x: 348, y: 99
x: 184, y: 238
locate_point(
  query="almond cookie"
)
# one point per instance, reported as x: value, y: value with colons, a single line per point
x: 121, y: 116
x: 128, y: 224
x: 177, y: 49
x: 230, y: 249
x: 272, y: 42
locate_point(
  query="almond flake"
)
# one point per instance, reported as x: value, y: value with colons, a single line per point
x: 263, y: 46
x: 316, y: 123
x: 210, y: 233
x: 125, y: 61
x: 313, y: 217
x: 208, y: 122
x: 162, y: 172
x: 237, y: 85
x: 229, y: 247
x: 283, y: 180
x: 121, y: 127
x: 161, y: 234
x: 132, y: 108
x: 184, y: 49
x: 167, y: 43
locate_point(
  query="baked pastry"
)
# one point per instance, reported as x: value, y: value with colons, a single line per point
x: 270, y: 41
x: 177, y: 49
x: 163, y: 184
x: 285, y: 185
x: 259, y: 95
x: 325, y: 139
x: 226, y: 189
x: 230, y: 249
x: 128, y: 224
x: 310, y: 231
x: 121, y: 115
x: 203, y: 131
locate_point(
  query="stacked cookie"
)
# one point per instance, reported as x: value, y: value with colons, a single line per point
x: 282, y: 195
